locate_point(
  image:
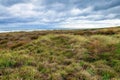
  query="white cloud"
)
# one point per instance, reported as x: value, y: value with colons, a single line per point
x: 29, y: 10
x: 77, y: 11
x: 23, y: 10
x: 80, y: 24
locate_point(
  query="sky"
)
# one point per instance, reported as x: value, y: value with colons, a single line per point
x: 73, y: 14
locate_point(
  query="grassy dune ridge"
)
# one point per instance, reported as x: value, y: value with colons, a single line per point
x: 61, y: 55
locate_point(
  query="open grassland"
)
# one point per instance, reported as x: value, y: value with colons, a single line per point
x: 61, y: 55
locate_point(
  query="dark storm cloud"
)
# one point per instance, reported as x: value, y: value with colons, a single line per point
x: 107, y: 4
x: 98, y: 5
x: 15, y: 20
x: 12, y: 2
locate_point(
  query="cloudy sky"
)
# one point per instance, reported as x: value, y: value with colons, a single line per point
x: 59, y: 13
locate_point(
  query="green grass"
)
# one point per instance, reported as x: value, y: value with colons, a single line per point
x: 61, y: 55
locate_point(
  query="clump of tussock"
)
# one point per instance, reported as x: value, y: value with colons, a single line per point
x: 60, y: 55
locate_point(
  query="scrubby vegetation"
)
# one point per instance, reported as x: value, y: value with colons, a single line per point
x: 61, y: 55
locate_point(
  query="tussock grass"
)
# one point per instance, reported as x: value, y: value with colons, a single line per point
x: 60, y: 55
